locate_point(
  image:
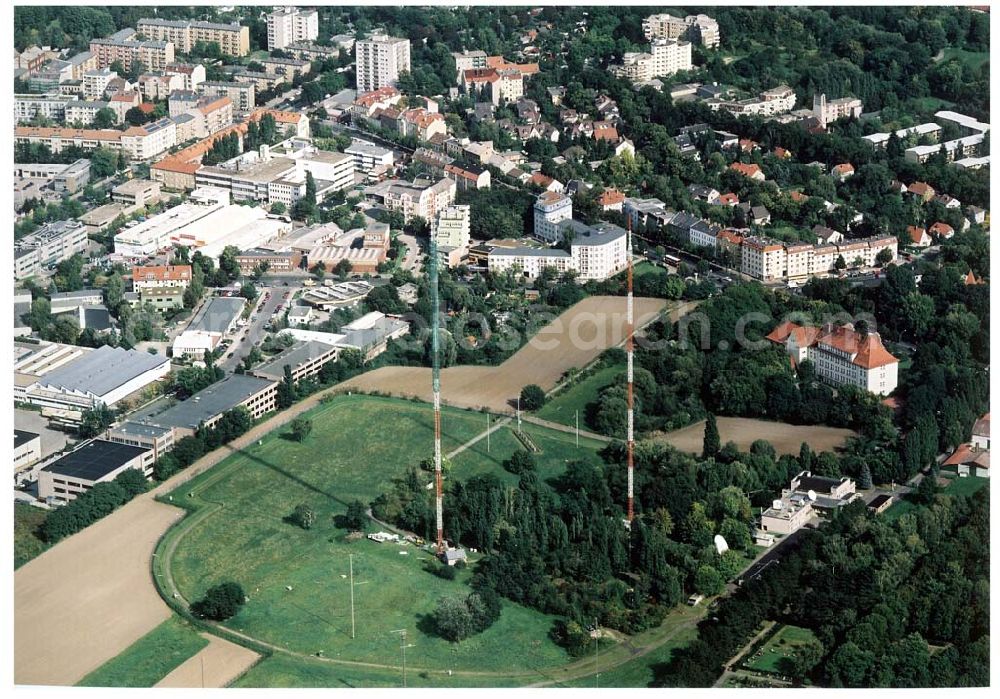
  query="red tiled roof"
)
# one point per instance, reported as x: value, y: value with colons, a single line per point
x: 728, y: 199
x: 746, y: 169
x: 943, y: 229
x: 920, y: 188
x: 916, y: 233
x: 162, y: 273
x: 610, y: 197
x: 798, y: 196
x: 972, y: 280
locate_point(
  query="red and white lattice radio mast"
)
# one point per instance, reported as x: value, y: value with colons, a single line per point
x: 629, y: 329
x: 436, y: 387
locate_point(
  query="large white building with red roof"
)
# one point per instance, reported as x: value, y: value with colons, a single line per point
x: 841, y: 355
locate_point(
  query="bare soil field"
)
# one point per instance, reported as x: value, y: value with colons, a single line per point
x: 89, y: 597
x: 787, y: 439
x: 573, y: 339
x: 215, y: 665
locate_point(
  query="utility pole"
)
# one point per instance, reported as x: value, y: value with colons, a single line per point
x: 519, y: 413
x: 597, y: 656
x: 402, y: 647
x: 577, y: 429
x: 350, y: 558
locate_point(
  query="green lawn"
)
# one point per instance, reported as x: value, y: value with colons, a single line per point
x: 563, y: 406
x: 557, y: 448
x: 974, y: 59
x: 780, y: 647
x: 285, y: 671
x: 967, y: 486
x: 358, y: 443
x: 645, y: 268
x: 637, y: 672
x: 27, y: 543
x: 151, y: 658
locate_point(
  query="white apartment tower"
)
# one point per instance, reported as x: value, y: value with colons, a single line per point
x: 551, y: 209
x: 379, y: 60
x: 291, y: 24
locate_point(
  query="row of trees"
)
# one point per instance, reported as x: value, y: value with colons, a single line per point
x: 88, y: 507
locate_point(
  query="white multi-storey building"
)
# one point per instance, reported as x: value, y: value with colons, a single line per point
x: 27, y: 107
x: 369, y: 157
x: 48, y: 246
x: 665, y: 57
x: 95, y: 82
x: 829, y: 111
x: 551, y: 209
x: 700, y: 29
x: 451, y: 230
x: 596, y: 253
x: 379, y: 60
x: 289, y: 25
x: 770, y: 260
x: 842, y: 356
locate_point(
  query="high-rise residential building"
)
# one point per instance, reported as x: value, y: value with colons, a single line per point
x: 289, y: 25
x: 699, y: 29
x: 665, y: 57
x: 233, y: 39
x: 551, y: 209
x: 379, y: 60
x: 451, y: 231
x: 27, y: 107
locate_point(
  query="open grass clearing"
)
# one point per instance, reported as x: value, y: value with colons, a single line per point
x: 567, y: 404
x: 149, y: 659
x: 27, y: 542
x: 779, y: 649
x: 973, y: 59
x: 357, y: 445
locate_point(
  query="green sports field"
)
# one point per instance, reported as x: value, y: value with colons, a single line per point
x: 151, y: 658
x: 358, y: 444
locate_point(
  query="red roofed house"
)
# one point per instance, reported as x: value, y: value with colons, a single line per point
x: 729, y: 239
x: 941, y: 229
x: 843, y: 171
x: 973, y: 458
x: 161, y: 277
x: 547, y: 183
x: 750, y: 170
x: 841, y: 355
x: 748, y: 146
x: 922, y: 190
x: 918, y: 236
x: 727, y: 199
x: 782, y: 153
x: 798, y: 197
x: 604, y: 131
x: 972, y: 280
x: 611, y: 200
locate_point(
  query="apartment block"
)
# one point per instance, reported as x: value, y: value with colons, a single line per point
x: 50, y: 106
x: 232, y: 39
x: 242, y: 94
x: 699, y: 29
x: 48, y: 246
x: 379, y: 60
x: 551, y: 209
x: 123, y: 46
x: 289, y: 25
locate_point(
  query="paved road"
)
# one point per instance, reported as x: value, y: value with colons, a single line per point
x: 248, y: 336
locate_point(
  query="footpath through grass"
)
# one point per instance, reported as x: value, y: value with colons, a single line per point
x: 297, y: 580
x: 151, y: 658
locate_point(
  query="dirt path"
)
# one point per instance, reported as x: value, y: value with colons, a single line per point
x: 573, y: 339
x: 215, y: 665
x: 786, y: 439
x: 565, y: 428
